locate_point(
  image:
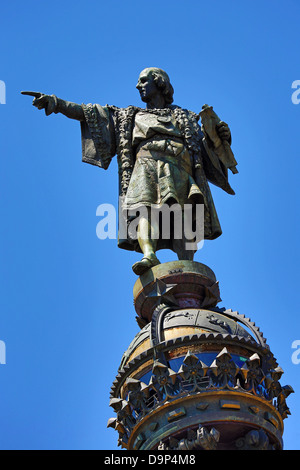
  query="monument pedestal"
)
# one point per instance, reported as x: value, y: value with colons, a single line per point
x: 196, y: 376
x: 184, y: 284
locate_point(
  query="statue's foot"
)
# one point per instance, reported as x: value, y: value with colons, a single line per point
x: 146, y: 263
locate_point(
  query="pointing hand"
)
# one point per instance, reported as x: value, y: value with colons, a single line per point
x: 42, y: 101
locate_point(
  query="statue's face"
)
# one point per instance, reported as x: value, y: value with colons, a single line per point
x: 147, y: 86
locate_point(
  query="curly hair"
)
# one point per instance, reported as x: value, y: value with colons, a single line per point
x: 162, y: 81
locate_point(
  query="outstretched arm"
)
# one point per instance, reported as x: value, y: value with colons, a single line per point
x: 52, y: 104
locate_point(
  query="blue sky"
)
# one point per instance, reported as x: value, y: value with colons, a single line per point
x: 66, y: 296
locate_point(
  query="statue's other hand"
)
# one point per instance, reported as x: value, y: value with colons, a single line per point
x: 223, y: 131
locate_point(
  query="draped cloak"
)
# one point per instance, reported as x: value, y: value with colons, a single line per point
x: 108, y: 131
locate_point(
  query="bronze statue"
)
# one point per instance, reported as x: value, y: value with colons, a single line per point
x: 164, y: 157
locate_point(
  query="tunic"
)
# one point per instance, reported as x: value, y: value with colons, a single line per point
x: 163, y: 168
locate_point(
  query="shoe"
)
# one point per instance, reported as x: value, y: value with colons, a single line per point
x: 146, y: 263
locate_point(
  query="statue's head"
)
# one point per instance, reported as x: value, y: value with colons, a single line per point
x: 154, y: 80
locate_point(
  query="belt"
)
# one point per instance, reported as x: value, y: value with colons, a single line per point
x: 182, y: 161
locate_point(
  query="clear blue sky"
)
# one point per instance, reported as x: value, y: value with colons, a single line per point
x: 66, y: 297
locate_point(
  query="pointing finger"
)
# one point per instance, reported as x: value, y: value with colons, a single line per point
x: 36, y: 94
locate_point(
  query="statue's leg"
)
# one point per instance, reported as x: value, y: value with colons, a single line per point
x: 148, y: 233
x: 180, y: 248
